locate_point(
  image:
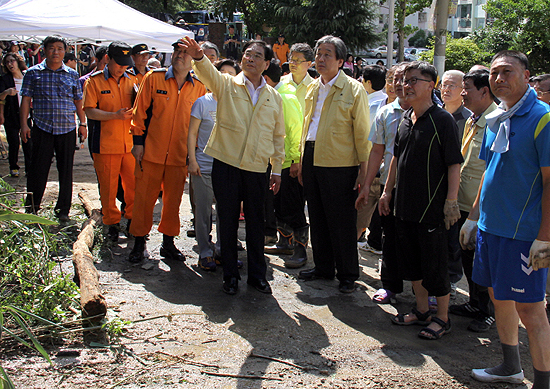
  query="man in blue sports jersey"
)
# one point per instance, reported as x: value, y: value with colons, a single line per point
x: 512, y: 212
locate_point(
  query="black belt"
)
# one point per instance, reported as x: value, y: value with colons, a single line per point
x: 310, y: 143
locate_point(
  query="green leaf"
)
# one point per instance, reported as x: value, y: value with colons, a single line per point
x: 5, y: 381
x: 39, y: 318
x: 37, y: 346
x: 8, y: 215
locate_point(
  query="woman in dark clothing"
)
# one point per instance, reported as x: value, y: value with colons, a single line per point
x: 10, y: 85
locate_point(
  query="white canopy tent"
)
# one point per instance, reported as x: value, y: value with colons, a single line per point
x: 89, y: 21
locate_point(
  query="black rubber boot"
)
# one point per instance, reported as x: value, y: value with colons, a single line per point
x: 136, y: 255
x: 284, y: 244
x: 299, y: 258
x: 169, y: 250
x: 112, y: 233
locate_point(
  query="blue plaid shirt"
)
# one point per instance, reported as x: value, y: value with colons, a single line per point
x: 53, y: 96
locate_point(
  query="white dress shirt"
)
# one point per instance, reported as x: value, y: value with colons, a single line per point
x: 321, y: 97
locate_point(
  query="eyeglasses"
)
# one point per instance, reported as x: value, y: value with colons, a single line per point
x: 448, y: 86
x: 297, y: 61
x: 541, y: 93
x: 254, y: 56
x: 413, y: 80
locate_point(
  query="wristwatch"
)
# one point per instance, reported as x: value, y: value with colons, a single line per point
x: 82, y: 125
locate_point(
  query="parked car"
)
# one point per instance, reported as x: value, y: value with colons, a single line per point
x: 409, y: 54
x: 380, y: 52
x: 413, y: 53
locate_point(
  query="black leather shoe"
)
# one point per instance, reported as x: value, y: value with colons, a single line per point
x: 171, y: 252
x: 311, y: 274
x: 259, y: 284
x: 346, y: 286
x: 231, y: 286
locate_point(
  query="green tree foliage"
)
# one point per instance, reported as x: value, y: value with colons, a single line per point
x: 519, y: 25
x: 256, y: 13
x: 309, y: 20
x: 404, y: 8
x: 33, y: 288
x: 420, y: 39
x: 460, y: 54
x: 168, y: 6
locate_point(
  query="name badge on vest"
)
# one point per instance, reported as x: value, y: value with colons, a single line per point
x: 105, y: 92
x: 162, y: 92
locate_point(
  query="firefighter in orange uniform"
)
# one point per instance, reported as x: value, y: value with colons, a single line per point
x: 140, y: 55
x: 108, y: 96
x: 159, y: 126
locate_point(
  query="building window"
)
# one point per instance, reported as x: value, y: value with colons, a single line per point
x: 480, y: 23
x: 464, y: 12
x: 422, y: 17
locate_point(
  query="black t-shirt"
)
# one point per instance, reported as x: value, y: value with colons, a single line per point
x: 231, y: 47
x: 424, y: 151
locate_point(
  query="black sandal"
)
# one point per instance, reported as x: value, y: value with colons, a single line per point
x: 422, y: 319
x: 431, y: 334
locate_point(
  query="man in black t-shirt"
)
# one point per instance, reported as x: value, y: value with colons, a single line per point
x: 426, y: 163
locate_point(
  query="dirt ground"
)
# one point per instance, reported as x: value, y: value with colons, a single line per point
x: 319, y: 337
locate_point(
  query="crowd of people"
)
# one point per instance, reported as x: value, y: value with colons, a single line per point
x: 449, y: 175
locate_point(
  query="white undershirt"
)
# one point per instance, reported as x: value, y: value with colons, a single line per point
x: 254, y: 93
x: 18, y: 85
x: 321, y: 97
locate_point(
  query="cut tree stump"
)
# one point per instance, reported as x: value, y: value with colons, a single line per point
x: 92, y: 301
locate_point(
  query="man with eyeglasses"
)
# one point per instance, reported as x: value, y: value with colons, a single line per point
x: 288, y: 205
x: 301, y: 56
x: 382, y: 135
x: 300, y: 59
x: 425, y: 170
x: 335, y: 150
x: 542, y: 87
x: 249, y: 133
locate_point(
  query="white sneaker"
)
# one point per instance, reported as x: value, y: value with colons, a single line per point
x: 366, y: 247
x: 483, y: 376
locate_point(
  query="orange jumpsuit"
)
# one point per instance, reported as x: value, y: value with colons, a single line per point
x: 161, y: 123
x: 111, y: 141
x: 282, y: 51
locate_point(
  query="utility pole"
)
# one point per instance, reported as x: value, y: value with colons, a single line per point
x: 391, y: 18
x: 441, y: 15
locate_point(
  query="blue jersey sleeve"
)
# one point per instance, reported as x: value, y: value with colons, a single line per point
x: 542, y: 144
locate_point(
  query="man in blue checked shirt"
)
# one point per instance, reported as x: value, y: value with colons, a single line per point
x: 56, y: 94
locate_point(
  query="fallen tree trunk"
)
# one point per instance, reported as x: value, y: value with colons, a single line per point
x: 92, y: 301
x: 87, y: 204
